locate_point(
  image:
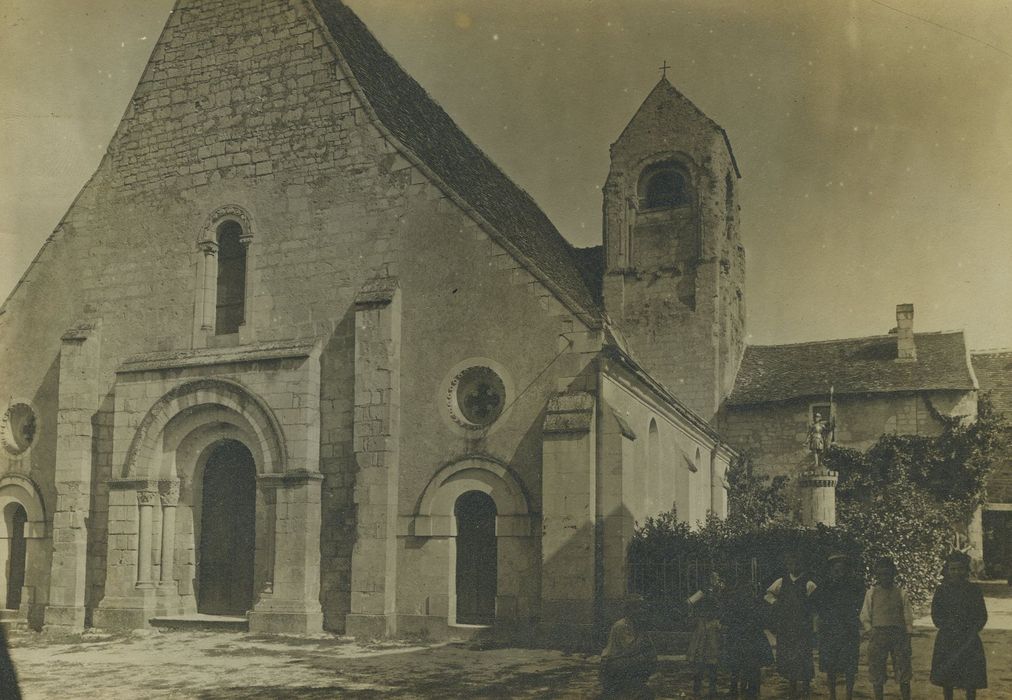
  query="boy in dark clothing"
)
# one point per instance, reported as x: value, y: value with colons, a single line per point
x: 792, y: 625
x: 959, y: 613
x: 887, y: 616
x: 746, y: 649
x: 838, y: 604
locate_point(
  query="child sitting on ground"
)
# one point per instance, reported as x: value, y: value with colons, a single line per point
x: 629, y: 659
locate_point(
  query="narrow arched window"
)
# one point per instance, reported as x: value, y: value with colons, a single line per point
x: 664, y: 186
x: 230, y: 310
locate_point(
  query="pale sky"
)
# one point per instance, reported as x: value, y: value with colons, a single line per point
x: 874, y: 138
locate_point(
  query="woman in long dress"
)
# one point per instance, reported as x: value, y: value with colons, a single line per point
x: 959, y: 613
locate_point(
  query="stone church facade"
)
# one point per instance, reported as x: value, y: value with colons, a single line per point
x: 299, y: 352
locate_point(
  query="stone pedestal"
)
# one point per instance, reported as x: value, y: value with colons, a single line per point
x: 818, y: 497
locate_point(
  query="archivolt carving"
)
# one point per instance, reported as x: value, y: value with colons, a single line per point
x: 229, y: 212
x: 208, y: 392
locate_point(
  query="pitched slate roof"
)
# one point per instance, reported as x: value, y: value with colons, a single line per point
x: 590, y: 263
x: 852, y: 366
x: 994, y: 373
x: 415, y: 119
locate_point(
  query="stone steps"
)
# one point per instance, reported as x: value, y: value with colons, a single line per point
x: 210, y: 623
x: 13, y: 619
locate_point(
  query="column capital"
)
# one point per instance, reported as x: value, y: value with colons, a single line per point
x: 168, y: 492
x: 147, y: 498
x: 208, y: 247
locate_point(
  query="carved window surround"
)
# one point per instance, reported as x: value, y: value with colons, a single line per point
x: 205, y: 304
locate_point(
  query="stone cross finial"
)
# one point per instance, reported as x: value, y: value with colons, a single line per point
x: 664, y: 70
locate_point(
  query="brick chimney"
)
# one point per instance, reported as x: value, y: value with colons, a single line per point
x: 905, y: 332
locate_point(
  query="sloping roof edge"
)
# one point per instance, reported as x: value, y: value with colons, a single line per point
x: 623, y: 359
x: 704, y: 115
x: 585, y: 309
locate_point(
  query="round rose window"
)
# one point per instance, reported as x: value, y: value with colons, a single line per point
x: 18, y: 428
x: 478, y: 397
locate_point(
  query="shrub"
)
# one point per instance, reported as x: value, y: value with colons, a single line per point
x: 903, y: 523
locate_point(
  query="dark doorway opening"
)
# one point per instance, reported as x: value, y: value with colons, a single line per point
x: 476, y: 559
x: 17, y: 554
x: 998, y: 543
x: 227, y: 531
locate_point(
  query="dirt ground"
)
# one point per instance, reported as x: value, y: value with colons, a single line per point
x: 233, y: 665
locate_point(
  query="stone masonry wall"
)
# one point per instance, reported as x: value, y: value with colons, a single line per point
x: 776, y: 433
x: 684, y: 317
x: 243, y: 104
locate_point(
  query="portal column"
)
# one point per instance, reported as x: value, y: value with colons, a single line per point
x: 169, y: 495
x: 168, y: 588
x: 146, y: 504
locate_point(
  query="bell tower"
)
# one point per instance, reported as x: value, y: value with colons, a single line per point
x: 674, y: 278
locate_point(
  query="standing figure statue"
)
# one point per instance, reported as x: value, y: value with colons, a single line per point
x: 818, y: 437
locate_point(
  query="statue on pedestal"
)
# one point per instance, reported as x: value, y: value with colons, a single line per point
x: 821, y: 433
x: 818, y: 438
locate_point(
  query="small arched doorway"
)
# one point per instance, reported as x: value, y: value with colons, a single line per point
x: 16, y: 517
x: 476, y: 558
x: 227, y: 531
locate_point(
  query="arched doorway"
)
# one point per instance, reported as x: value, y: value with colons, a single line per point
x: 17, y: 517
x: 227, y: 531
x: 476, y: 558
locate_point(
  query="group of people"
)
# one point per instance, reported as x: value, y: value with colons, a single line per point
x: 730, y: 623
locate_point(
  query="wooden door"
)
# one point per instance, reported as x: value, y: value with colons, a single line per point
x: 16, y: 559
x: 227, y: 528
x: 476, y: 559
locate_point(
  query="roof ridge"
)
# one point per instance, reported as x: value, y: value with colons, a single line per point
x: 991, y: 351
x: 827, y: 341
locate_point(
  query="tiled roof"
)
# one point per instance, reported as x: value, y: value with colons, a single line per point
x: 415, y: 119
x: 590, y: 263
x: 851, y: 366
x: 994, y: 374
